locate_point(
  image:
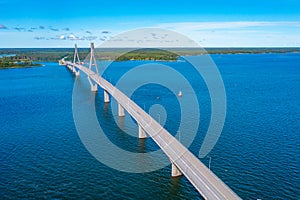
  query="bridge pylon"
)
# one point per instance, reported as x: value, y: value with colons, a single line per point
x: 93, y: 62
x: 76, y: 55
x: 76, y: 58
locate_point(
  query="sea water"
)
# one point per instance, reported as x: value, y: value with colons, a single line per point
x: 257, y: 154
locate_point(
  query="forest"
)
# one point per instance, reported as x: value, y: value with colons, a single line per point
x: 24, y: 57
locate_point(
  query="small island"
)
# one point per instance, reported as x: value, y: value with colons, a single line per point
x: 16, y: 62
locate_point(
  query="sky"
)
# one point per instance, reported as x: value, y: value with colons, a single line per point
x: 213, y: 23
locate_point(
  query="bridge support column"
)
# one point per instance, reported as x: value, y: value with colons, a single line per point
x: 142, y: 132
x: 106, y: 97
x: 73, y: 69
x: 121, y: 110
x: 175, y: 171
x: 94, y: 88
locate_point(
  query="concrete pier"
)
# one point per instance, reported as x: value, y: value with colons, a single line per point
x: 106, y: 97
x: 142, y: 133
x: 77, y: 73
x: 121, y: 110
x: 94, y: 88
x: 175, y: 171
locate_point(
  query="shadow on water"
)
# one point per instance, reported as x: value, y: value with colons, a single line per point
x: 141, y: 148
x: 106, y: 110
x: 175, y: 188
x: 121, y: 123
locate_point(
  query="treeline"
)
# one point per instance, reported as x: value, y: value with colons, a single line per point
x: 253, y: 50
x: 148, y: 54
x: 119, y: 54
x: 53, y: 55
x: 44, y: 55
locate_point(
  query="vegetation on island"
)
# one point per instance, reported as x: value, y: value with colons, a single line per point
x: 16, y: 62
x: 148, y: 54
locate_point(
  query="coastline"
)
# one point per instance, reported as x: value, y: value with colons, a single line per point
x: 21, y: 67
x: 170, y: 55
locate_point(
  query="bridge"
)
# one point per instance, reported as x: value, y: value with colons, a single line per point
x: 183, y: 162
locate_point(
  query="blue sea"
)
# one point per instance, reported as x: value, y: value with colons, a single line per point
x: 257, y: 154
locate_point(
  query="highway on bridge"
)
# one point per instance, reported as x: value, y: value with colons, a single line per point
x: 203, y: 179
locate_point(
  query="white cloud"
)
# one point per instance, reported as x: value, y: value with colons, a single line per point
x: 240, y: 33
x: 194, y: 26
x: 71, y: 36
x: 207, y: 34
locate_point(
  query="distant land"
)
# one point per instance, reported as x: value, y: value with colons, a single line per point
x: 14, y: 61
x: 24, y: 57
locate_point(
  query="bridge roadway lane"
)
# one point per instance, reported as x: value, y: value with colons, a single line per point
x: 204, y: 180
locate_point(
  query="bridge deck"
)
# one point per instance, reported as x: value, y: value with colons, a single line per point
x: 204, y: 180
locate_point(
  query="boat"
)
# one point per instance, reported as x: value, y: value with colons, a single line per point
x: 180, y: 93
